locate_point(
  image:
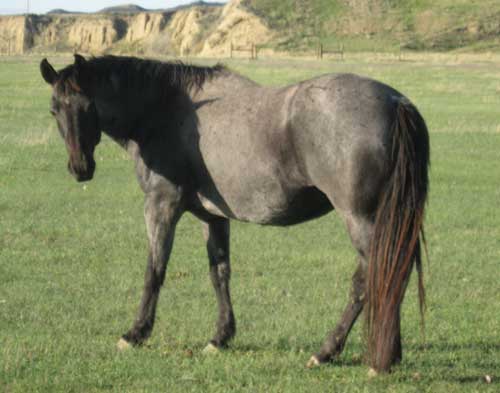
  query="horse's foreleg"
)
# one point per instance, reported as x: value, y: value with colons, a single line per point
x: 216, y: 232
x: 161, y: 217
x: 334, y: 343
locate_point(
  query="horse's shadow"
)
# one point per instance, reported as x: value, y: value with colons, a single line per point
x: 432, y: 356
x: 467, y: 367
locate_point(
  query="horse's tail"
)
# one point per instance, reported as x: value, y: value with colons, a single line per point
x: 398, y: 235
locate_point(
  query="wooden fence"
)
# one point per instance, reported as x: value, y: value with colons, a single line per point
x: 320, y: 51
x: 251, y: 49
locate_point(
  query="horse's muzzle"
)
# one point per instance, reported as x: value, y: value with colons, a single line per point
x: 82, y: 168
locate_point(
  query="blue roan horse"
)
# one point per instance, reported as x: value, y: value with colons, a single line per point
x: 211, y: 142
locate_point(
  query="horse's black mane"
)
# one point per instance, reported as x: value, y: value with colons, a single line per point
x: 135, y: 73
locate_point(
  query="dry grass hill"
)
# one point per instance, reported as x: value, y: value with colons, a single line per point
x: 207, y: 29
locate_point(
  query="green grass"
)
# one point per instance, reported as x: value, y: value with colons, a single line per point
x: 72, y: 258
x: 381, y: 25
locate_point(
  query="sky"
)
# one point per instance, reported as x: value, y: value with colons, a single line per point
x: 42, y: 6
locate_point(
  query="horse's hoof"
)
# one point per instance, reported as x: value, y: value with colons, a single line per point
x: 372, y: 373
x: 210, y: 349
x: 313, y: 362
x: 123, y: 345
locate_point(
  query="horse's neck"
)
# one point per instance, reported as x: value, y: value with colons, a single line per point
x: 135, y: 118
x: 121, y: 141
x: 121, y: 117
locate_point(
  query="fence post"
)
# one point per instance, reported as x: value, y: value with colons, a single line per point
x: 320, y: 51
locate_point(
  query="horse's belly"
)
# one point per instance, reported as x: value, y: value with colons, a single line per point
x: 280, y: 210
x: 306, y: 204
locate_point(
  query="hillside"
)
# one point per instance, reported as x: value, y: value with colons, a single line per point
x: 58, y: 11
x: 382, y: 24
x: 208, y: 29
x: 122, y: 9
x: 135, y: 9
x: 202, y: 28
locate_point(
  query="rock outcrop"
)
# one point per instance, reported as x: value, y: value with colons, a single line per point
x: 92, y: 35
x: 209, y: 29
x: 13, y: 37
x: 200, y: 29
x: 237, y: 26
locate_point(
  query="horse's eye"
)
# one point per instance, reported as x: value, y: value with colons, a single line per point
x: 52, y: 112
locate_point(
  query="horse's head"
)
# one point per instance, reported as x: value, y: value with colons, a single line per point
x: 76, y: 115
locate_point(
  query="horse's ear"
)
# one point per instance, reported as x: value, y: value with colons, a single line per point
x: 79, y: 66
x: 49, y: 74
x: 81, y: 77
x: 79, y: 60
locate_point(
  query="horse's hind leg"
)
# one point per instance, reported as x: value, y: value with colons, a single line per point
x: 216, y: 233
x: 334, y: 343
x: 360, y: 230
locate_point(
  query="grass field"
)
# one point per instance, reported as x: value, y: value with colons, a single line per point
x: 72, y: 258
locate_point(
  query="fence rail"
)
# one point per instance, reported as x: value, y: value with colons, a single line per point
x: 252, y: 49
x: 321, y: 51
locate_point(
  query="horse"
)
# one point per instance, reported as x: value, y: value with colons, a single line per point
x: 214, y: 143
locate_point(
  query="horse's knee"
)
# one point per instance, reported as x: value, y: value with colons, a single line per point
x: 224, y: 271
